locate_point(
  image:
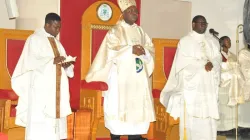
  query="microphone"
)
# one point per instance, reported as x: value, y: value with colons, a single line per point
x: 212, y: 31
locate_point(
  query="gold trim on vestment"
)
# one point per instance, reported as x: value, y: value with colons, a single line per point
x: 58, y: 76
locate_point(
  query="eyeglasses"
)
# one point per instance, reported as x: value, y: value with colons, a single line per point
x: 202, y: 23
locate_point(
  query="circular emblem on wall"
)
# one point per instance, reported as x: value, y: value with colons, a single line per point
x: 104, y: 12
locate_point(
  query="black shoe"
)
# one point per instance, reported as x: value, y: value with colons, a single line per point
x: 136, y: 137
x: 115, y: 137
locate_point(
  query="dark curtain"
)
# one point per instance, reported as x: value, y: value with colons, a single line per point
x: 246, y: 21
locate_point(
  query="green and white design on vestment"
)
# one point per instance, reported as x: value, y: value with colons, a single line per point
x: 139, y: 65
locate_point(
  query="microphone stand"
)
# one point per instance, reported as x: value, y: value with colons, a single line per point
x: 216, y: 36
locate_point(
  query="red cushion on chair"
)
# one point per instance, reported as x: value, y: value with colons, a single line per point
x: 156, y: 93
x: 8, y: 94
x: 102, y: 86
x: 3, y: 136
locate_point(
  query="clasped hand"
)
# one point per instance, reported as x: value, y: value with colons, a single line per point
x: 138, y: 50
x: 209, y: 66
x: 60, y: 59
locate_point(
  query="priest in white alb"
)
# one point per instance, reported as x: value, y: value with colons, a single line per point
x: 125, y: 61
x: 40, y: 80
x: 191, y: 92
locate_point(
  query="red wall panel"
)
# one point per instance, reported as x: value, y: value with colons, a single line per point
x: 14, y: 50
x: 71, y: 12
x: 169, y: 53
x: 97, y: 37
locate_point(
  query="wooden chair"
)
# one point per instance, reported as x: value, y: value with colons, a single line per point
x: 93, y: 32
x: 79, y: 125
x: 11, y: 45
x: 166, y: 128
x: 2, y: 106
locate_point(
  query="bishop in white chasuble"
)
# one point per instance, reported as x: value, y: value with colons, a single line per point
x: 125, y: 61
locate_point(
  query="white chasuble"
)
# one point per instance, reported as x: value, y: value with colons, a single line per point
x: 244, y: 112
x: 128, y: 103
x: 191, y: 89
x: 230, y: 95
x: 34, y: 81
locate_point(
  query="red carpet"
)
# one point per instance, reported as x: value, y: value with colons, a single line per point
x: 3, y: 136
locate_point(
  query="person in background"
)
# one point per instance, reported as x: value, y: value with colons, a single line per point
x: 229, y: 92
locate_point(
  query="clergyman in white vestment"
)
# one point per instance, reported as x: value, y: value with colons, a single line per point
x: 40, y: 80
x: 125, y: 61
x: 231, y: 83
x: 191, y: 92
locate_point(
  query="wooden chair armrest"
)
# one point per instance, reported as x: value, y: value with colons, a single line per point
x: 7, y: 114
x: 2, y: 107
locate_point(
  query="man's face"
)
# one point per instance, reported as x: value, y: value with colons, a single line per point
x: 53, y: 27
x: 227, y: 43
x: 130, y: 15
x: 200, y: 26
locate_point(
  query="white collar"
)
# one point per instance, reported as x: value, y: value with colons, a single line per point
x: 197, y: 35
x: 225, y: 54
x: 123, y: 23
x: 41, y: 31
